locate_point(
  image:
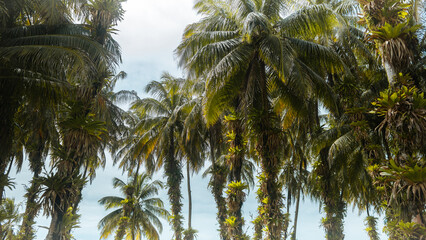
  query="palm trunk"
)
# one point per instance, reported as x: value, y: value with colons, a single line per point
x: 219, y: 178
x: 8, y: 107
x: 274, y: 216
x: 56, y: 222
x: 236, y: 162
x: 27, y: 232
x: 217, y: 189
x: 390, y: 70
x: 371, y: 229
x: 334, y: 207
x: 296, y: 215
x: 189, y: 199
x: 32, y: 208
x: 173, y: 172
x: 267, y: 145
x: 287, y: 220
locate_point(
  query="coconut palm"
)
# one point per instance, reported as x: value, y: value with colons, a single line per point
x: 35, y: 54
x: 56, y: 193
x: 162, y: 121
x: 219, y: 173
x: 138, y: 211
x: 40, y: 124
x: 9, y: 217
x: 88, y: 119
x: 193, y: 145
x: 246, y: 49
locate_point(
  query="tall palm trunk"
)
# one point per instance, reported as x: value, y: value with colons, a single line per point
x: 219, y: 179
x: 32, y: 208
x: 267, y: 145
x: 8, y: 106
x: 235, y: 161
x: 334, y: 206
x: 173, y: 172
x: 296, y: 214
x: 9, y: 103
x: 56, y: 222
x: 188, y: 176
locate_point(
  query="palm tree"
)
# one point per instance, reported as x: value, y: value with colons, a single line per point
x: 9, y: 217
x: 219, y: 173
x: 37, y: 48
x: 395, y: 36
x: 162, y: 121
x: 193, y: 145
x: 39, y: 122
x: 137, y: 213
x: 87, y: 117
x: 56, y: 193
x: 39, y: 44
x: 246, y: 49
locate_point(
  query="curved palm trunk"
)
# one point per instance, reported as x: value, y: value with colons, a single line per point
x: 173, y: 172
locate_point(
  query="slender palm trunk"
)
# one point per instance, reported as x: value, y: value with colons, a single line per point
x: 296, y: 214
x: 217, y: 189
x: 287, y: 219
x: 188, y: 176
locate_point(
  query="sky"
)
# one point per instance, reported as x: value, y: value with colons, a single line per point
x: 148, y: 35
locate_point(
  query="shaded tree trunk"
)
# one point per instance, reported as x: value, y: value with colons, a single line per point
x: 219, y: 178
x: 56, y: 222
x: 296, y: 215
x: 173, y: 171
x: 189, y: 199
x: 267, y: 145
x: 32, y: 208
x: 235, y: 161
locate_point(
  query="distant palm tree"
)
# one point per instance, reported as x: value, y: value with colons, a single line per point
x: 138, y: 210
